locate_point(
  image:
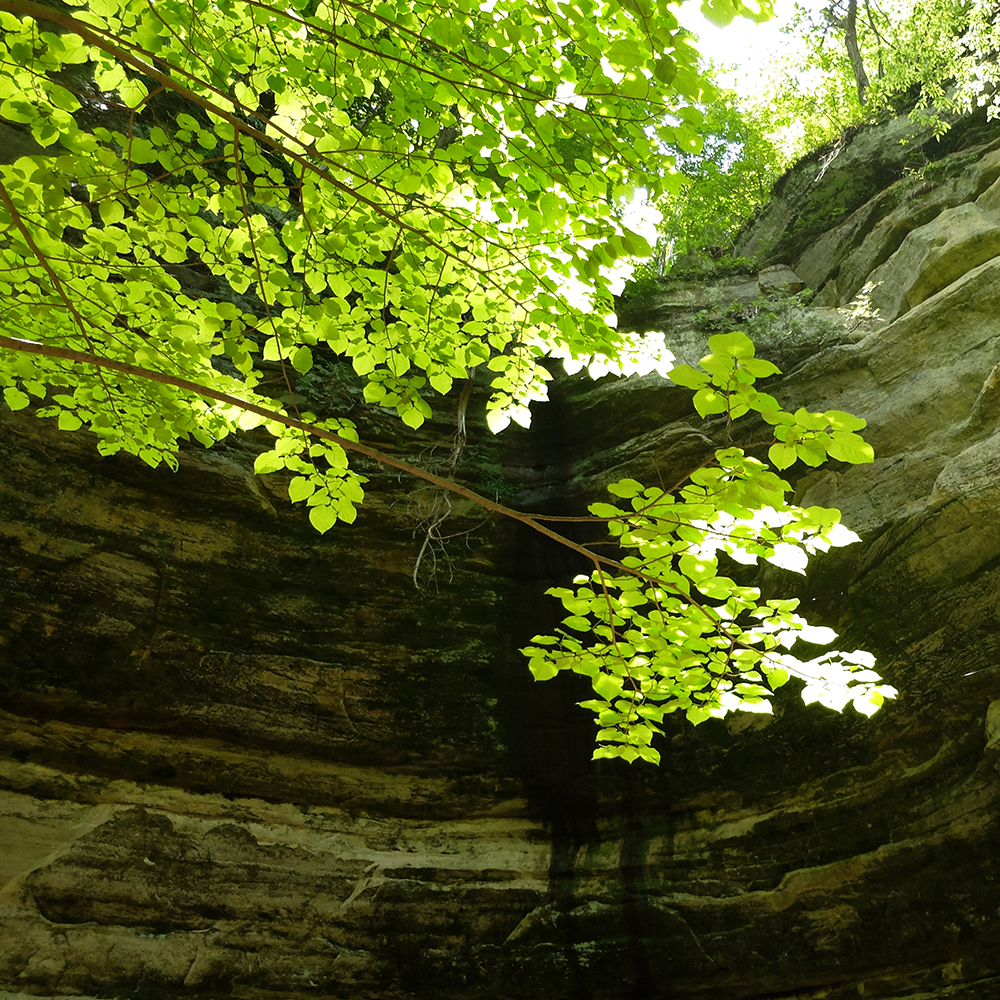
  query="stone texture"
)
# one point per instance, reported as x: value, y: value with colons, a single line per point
x: 242, y: 759
x: 825, y: 188
x: 779, y: 278
x: 932, y: 257
x: 842, y: 259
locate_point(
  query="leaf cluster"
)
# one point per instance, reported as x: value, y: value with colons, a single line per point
x: 229, y: 188
x: 932, y: 60
x: 929, y: 58
x: 724, y: 184
x: 662, y: 629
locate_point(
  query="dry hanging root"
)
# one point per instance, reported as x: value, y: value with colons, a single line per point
x: 433, y: 542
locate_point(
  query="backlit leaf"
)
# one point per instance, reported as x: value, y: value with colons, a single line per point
x: 322, y: 518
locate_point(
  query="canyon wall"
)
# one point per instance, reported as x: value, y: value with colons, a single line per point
x: 242, y: 759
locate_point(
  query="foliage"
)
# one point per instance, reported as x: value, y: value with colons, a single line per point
x: 663, y: 630
x: 423, y: 190
x: 725, y: 183
x: 932, y: 58
x: 763, y: 316
x: 223, y: 191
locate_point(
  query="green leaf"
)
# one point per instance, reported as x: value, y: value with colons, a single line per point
x: 777, y: 677
x: 441, y: 382
x: 718, y: 12
x: 759, y: 368
x: 696, y: 715
x: 301, y: 488
x: 542, y: 669
x: 448, y: 31
x: 322, y: 518
x: 841, y: 421
x: 604, y: 510
x: 721, y: 367
x: 782, y: 455
x: 625, y: 53
x: 697, y: 568
x: 709, y: 401
x: 734, y: 345
x: 847, y: 447
x: 777, y: 417
x: 15, y: 399
x: 811, y: 452
x: 688, y: 377
x: 626, y: 488
x: 268, y: 462
x: 411, y: 416
x: 763, y: 403
x: 716, y: 587
x: 608, y: 686
x: 302, y: 360
x: 665, y: 70
x: 112, y: 212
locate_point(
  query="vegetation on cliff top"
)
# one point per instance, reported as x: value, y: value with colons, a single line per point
x: 844, y: 63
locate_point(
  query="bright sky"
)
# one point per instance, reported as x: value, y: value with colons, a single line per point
x: 747, y: 49
x: 744, y: 45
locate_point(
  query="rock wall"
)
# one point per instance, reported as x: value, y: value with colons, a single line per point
x: 241, y: 759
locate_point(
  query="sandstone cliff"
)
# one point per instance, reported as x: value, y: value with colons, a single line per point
x: 241, y: 759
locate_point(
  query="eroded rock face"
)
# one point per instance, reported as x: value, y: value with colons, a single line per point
x: 241, y: 759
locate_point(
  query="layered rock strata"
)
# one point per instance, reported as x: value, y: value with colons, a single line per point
x: 242, y: 759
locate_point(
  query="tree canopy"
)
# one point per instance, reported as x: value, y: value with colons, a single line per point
x: 854, y: 61
x: 840, y: 64
x: 427, y: 191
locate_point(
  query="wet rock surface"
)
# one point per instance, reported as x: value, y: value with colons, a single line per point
x: 243, y: 759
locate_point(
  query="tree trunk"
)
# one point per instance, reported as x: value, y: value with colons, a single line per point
x: 853, y: 52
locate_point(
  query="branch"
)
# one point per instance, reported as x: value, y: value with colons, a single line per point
x: 97, y: 361
x: 96, y: 37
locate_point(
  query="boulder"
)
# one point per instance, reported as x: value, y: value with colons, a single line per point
x: 779, y: 278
